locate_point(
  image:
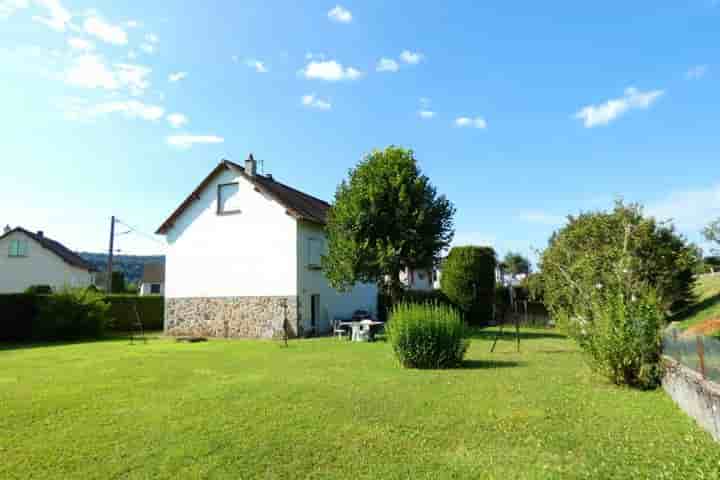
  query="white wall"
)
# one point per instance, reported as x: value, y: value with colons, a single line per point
x: 251, y: 253
x: 312, y: 281
x: 146, y: 289
x: 40, y: 267
x: 420, y: 279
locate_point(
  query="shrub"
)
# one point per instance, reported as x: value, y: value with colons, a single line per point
x: 17, y: 311
x: 70, y: 314
x: 427, y: 336
x: 385, y: 303
x: 624, y: 338
x: 122, y: 312
x: 39, y: 290
x: 468, y: 280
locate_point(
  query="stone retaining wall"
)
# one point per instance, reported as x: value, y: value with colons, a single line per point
x: 231, y: 317
x: 698, y: 397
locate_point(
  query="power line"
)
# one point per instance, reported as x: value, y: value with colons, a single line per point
x: 140, y: 232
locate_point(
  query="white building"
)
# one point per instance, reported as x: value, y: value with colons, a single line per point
x: 153, y: 279
x: 243, y: 260
x: 29, y: 259
x: 418, y: 279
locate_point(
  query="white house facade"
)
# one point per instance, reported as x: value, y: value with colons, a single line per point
x: 30, y: 259
x: 153, y: 280
x: 243, y: 260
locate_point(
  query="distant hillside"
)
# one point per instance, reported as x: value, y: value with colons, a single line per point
x: 704, y: 316
x: 131, y: 265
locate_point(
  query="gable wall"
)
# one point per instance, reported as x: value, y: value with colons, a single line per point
x: 40, y: 267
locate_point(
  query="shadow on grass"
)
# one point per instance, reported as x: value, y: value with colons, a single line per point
x: 488, y: 364
x: 110, y: 337
x: 696, y: 308
x: 508, y: 333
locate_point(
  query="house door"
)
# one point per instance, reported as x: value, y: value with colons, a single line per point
x: 314, y: 312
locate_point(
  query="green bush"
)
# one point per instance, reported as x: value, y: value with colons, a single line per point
x: 122, y: 312
x: 17, y: 311
x: 70, y: 314
x: 39, y: 290
x: 624, y: 338
x: 385, y: 304
x: 427, y: 336
x: 468, y: 280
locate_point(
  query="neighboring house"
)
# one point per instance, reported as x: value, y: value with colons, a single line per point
x: 153, y: 279
x: 243, y: 260
x: 28, y: 259
x: 422, y: 279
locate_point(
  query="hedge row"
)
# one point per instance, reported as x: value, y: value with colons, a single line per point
x: 385, y: 304
x: 76, y: 314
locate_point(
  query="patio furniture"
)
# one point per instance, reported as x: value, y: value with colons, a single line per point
x: 339, y: 330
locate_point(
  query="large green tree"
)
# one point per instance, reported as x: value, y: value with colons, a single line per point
x: 386, y: 216
x: 712, y: 232
x: 514, y: 263
x: 584, y: 254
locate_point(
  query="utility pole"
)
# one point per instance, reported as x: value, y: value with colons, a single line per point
x: 108, y: 285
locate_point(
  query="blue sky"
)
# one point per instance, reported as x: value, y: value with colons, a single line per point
x: 520, y: 113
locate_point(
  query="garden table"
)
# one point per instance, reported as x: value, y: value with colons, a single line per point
x: 362, y: 330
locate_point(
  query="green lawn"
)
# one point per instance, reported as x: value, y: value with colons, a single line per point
x: 707, y: 306
x: 323, y: 408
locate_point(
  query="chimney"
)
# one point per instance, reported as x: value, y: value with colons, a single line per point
x: 6, y: 229
x: 40, y: 234
x: 251, y: 166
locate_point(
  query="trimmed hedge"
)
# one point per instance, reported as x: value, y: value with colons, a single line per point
x: 468, y: 280
x: 74, y: 314
x: 150, y: 308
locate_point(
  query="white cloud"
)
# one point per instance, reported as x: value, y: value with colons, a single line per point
x: 257, y: 65
x: 79, y: 109
x: 412, y: 58
x: 312, y: 101
x: 387, y: 65
x: 152, y: 38
x: 132, y: 24
x: 462, y: 238
x: 696, y: 72
x: 543, y: 218
x: 603, y: 114
x: 187, y: 141
x: 690, y: 210
x: 177, y: 76
x: 426, y: 114
x: 476, y: 122
x: 90, y: 71
x: 104, y: 31
x: 9, y: 7
x: 77, y: 43
x: 340, y: 15
x: 177, y: 120
x: 330, y: 71
x: 147, y: 48
x: 58, y: 16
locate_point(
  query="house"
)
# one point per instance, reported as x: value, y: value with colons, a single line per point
x: 28, y: 259
x: 153, y: 279
x: 418, y: 279
x: 243, y: 260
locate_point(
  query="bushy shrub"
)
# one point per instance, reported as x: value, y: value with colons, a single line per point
x: 70, y: 314
x: 17, y: 311
x: 468, y: 280
x: 122, y: 312
x: 39, y: 290
x: 624, y: 338
x: 427, y: 336
x: 385, y: 303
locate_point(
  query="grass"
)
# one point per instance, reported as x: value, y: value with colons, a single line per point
x: 324, y: 408
x: 707, y: 306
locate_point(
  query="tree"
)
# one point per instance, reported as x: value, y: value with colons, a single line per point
x: 386, y: 217
x: 582, y: 256
x: 516, y: 264
x: 118, y: 282
x: 712, y: 232
x: 468, y: 281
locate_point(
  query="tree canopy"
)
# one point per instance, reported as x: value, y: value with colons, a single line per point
x: 582, y: 256
x: 515, y: 264
x: 712, y: 232
x: 386, y: 216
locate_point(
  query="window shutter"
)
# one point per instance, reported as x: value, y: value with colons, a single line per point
x: 314, y: 252
x: 14, y: 244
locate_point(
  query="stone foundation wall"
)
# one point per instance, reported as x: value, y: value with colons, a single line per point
x: 698, y: 397
x: 231, y: 317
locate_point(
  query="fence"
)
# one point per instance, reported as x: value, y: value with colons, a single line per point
x: 697, y: 352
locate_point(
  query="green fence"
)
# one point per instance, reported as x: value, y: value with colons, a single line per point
x: 697, y: 352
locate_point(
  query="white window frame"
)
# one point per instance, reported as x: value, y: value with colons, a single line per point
x: 220, y: 207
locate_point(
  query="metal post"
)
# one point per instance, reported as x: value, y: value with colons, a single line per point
x: 701, y: 354
x: 108, y: 280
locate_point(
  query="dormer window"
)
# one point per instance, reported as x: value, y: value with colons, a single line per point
x: 227, y: 198
x: 18, y: 248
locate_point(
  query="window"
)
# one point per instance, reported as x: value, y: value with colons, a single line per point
x: 18, y: 248
x: 314, y: 252
x: 227, y: 198
x: 155, y: 288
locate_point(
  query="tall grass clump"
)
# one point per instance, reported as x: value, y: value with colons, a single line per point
x: 427, y: 335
